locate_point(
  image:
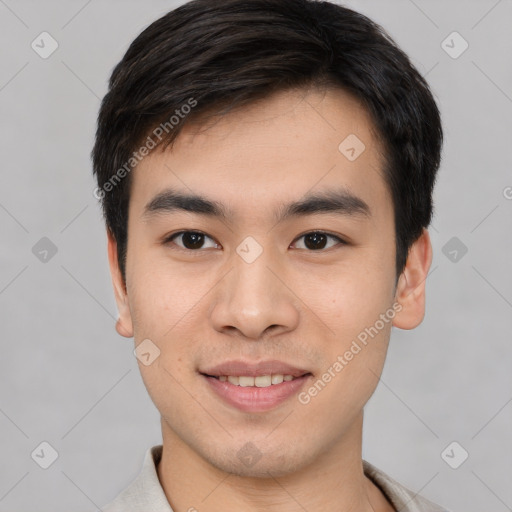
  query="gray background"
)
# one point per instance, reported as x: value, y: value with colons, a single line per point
x: 66, y: 376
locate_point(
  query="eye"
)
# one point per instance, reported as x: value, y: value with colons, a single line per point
x: 191, y: 240
x: 316, y: 240
x: 195, y: 240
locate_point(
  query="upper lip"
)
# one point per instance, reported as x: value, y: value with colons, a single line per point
x: 268, y: 367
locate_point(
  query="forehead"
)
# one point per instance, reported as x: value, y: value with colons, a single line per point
x: 273, y: 151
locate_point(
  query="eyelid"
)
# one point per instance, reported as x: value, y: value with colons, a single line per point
x: 322, y: 232
x: 169, y: 239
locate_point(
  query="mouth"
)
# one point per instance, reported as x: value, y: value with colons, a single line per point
x: 260, y: 381
x: 252, y: 394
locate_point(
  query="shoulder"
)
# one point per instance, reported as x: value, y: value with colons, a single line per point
x: 400, y: 497
x: 145, y: 492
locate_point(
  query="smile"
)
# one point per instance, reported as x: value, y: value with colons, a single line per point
x: 255, y: 394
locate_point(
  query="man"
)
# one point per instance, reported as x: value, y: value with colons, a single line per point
x: 266, y: 170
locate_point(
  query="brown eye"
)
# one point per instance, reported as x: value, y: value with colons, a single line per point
x: 317, y: 240
x: 191, y: 240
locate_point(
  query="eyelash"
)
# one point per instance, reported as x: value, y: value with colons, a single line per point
x: 171, y: 237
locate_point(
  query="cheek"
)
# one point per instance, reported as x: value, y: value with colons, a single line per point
x: 350, y: 297
x: 355, y: 347
x: 354, y: 359
x: 161, y: 299
x: 167, y: 308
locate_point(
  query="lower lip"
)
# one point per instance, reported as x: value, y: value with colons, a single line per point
x: 254, y: 399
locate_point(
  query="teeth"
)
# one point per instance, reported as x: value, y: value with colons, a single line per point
x: 262, y: 381
x: 277, y: 379
x: 245, y: 381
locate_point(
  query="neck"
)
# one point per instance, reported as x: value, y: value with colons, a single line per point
x: 333, y: 480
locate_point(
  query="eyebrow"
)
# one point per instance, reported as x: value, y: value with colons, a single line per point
x: 340, y: 201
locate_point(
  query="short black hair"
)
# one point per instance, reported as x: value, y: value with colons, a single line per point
x: 208, y: 57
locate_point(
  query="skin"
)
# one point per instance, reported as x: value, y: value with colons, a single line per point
x: 207, y: 305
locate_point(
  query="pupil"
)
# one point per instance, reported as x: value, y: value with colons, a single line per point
x: 193, y: 240
x: 317, y: 241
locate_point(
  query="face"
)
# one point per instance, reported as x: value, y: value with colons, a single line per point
x: 311, y: 285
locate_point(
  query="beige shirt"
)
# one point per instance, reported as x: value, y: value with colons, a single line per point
x: 145, y: 494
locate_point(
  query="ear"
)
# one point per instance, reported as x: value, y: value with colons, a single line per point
x: 124, y: 323
x: 410, y: 290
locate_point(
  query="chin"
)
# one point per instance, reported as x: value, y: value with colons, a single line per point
x: 261, y: 466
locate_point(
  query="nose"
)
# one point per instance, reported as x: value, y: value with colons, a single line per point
x: 255, y: 298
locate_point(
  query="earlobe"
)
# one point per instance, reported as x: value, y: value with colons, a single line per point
x: 123, y: 330
x: 124, y: 325
x: 410, y: 292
